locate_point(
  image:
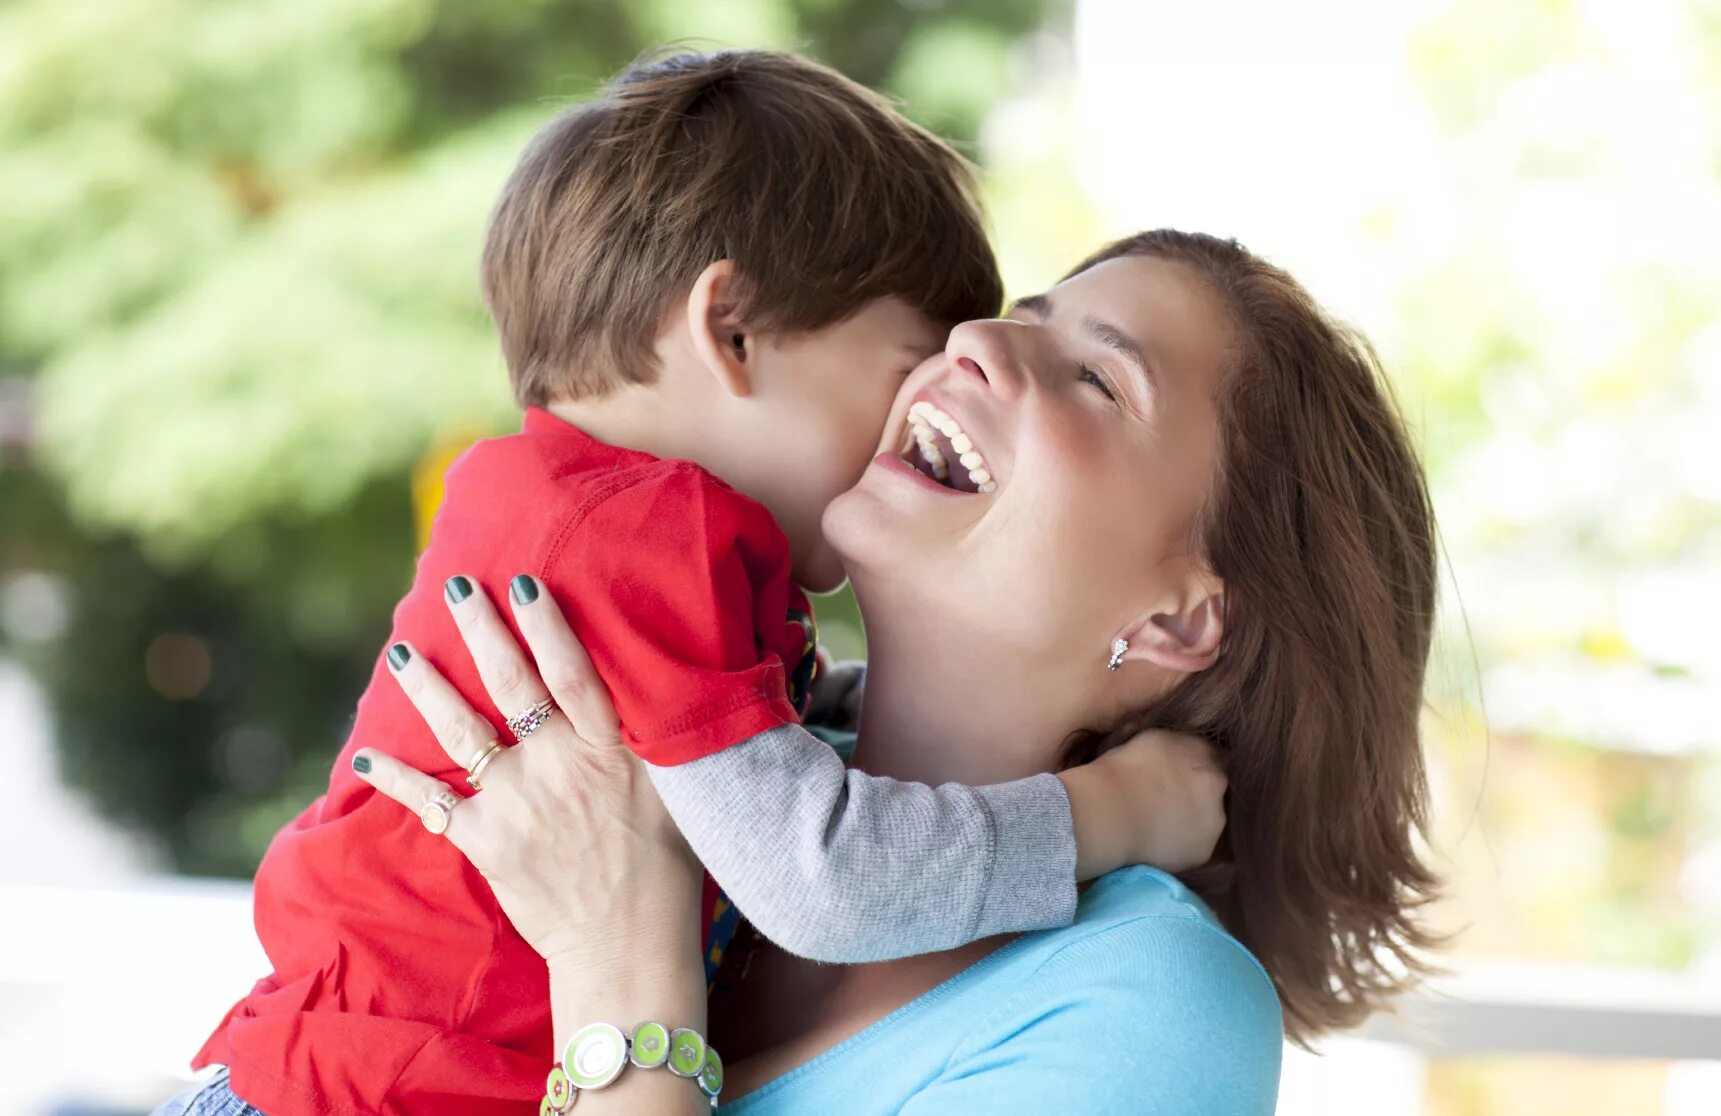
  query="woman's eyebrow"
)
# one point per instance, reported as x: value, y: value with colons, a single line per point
x: 1122, y: 344
x: 1100, y: 330
x: 1038, y: 305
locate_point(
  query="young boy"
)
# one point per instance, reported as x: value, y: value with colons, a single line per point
x: 724, y: 265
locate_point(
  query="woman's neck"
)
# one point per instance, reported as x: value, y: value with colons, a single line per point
x: 930, y: 715
x: 934, y: 716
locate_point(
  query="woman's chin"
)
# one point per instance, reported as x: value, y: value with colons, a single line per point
x: 861, y: 527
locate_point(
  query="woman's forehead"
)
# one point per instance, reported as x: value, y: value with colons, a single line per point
x: 1165, y: 307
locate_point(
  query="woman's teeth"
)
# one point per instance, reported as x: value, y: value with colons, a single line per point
x: 926, y: 422
x: 929, y: 451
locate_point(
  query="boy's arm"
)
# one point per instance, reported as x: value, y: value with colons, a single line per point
x: 837, y: 865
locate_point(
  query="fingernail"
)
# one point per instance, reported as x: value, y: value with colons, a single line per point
x: 398, y: 656
x: 361, y: 763
x: 525, y: 590
x: 457, y: 589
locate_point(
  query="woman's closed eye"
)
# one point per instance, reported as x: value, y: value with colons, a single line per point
x: 1088, y: 376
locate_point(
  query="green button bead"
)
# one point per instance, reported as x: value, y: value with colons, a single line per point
x: 686, y: 1053
x: 595, y: 1055
x: 711, y: 1077
x: 558, y: 1091
x: 650, y: 1045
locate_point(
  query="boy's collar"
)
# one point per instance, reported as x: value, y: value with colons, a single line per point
x: 540, y: 421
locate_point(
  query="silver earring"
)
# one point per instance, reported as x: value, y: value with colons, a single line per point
x: 1118, y: 647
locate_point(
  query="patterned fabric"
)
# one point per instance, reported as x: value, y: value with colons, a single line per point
x: 724, y: 921
x: 805, y: 672
x: 210, y: 1098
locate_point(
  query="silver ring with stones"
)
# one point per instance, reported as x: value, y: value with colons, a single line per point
x: 525, y: 724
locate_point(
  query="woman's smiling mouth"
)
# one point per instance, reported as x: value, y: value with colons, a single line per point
x: 935, y: 442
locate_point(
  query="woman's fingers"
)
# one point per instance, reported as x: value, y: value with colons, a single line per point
x: 508, y: 677
x: 407, y: 786
x: 463, y: 734
x: 563, y: 663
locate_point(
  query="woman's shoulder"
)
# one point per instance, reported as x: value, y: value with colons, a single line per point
x: 1139, y: 892
x: 1145, y: 953
x: 1143, y: 1003
x: 1145, y: 925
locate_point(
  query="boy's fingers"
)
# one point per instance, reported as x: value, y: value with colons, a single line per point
x: 506, y: 672
x: 463, y: 734
x: 407, y: 786
x: 563, y: 663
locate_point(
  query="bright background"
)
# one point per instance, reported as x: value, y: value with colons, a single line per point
x: 239, y: 332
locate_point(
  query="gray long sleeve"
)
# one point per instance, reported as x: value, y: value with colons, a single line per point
x: 837, y: 865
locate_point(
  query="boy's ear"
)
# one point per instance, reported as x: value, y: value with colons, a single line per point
x: 720, y: 338
x: 1181, y: 633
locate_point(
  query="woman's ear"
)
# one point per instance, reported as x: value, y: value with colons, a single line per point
x: 1181, y: 633
x: 720, y: 338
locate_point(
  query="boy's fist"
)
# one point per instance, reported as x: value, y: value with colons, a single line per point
x: 1157, y: 799
x: 1179, y: 792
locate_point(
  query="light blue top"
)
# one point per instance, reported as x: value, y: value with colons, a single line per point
x: 1143, y: 1005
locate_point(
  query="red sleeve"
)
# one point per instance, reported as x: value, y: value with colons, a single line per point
x: 670, y: 583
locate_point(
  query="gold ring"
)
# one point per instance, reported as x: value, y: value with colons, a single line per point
x: 436, y: 812
x: 475, y: 770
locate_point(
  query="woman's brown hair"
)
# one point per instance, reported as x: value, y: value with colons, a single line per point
x: 1320, y: 524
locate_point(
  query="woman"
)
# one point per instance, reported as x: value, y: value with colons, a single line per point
x: 1201, y: 483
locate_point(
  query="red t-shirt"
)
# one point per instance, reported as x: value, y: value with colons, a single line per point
x: 399, y: 985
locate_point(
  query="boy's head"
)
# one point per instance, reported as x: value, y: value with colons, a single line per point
x: 755, y: 220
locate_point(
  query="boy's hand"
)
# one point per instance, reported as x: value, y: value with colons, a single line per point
x: 1158, y: 799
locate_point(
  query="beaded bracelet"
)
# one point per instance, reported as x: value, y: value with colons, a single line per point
x: 598, y: 1052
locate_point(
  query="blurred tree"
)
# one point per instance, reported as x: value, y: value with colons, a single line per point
x: 238, y: 254
x: 1564, y: 323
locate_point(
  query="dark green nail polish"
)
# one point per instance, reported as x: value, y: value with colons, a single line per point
x: 525, y: 590
x: 457, y: 588
x: 399, y: 656
x: 361, y: 764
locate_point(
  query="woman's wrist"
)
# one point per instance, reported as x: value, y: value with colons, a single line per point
x: 626, y: 988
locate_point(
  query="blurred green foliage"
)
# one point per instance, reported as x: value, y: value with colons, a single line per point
x: 238, y: 248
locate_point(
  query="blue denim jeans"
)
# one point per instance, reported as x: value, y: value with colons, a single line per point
x: 211, y: 1098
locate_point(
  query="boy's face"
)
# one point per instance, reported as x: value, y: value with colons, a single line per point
x: 825, y: 396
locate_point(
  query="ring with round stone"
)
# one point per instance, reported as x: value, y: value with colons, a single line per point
x: 526, y: 723
x: 436, y: 812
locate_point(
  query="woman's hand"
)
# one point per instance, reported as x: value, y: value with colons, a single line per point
x: 567, y: 829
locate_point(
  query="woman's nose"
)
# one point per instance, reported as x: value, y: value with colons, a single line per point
x: 983, y: 354
x: 966, y: 364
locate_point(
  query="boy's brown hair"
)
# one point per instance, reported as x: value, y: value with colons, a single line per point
x: 823, y: 196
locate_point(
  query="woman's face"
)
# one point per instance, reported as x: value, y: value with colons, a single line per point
x: 1092, y: 412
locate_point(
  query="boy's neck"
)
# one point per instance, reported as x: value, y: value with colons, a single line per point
x: 684, y: 417
x: 641, y: 417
